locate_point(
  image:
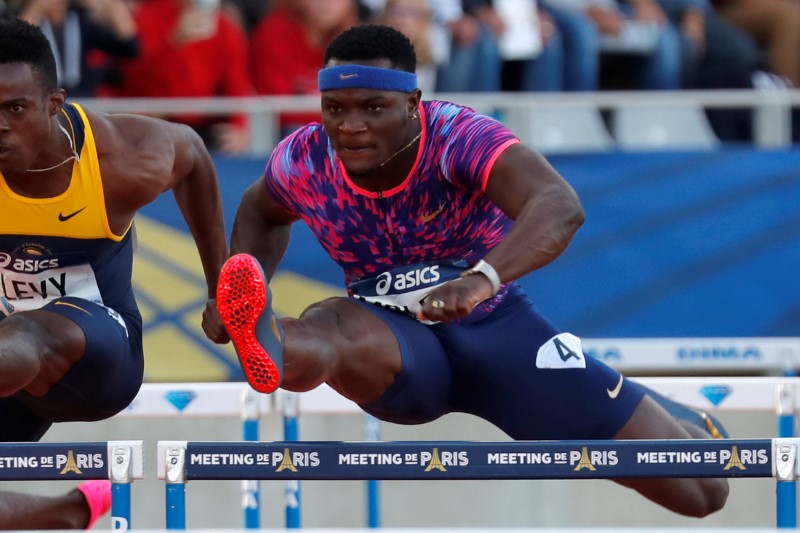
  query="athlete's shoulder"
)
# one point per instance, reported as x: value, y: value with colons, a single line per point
x: 303, y: 143
x: 448, y: 115
x: 442, y: 109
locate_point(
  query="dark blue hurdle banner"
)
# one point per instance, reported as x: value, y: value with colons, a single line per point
x: 118, y: 461
x: 182, y: 461
x: 51, y: 461
x: 478, y: 460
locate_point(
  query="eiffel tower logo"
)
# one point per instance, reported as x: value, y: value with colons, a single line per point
x: 286, y: 463
x: 585, y: 462
x: 435, y: 463
x: 71, y: 466
x: 734, y: 461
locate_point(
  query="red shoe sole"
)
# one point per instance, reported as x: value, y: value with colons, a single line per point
x: 241, y: 299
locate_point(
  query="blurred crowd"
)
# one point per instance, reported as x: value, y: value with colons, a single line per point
x: 202, y: 48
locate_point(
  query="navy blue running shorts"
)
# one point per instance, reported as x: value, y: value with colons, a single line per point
x: 101, y: 384
x: 512, y: 368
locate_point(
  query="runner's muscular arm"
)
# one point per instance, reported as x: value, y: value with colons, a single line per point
x: 141, y: 158
x: 546, y: 214
x: 261, y: 228
x: 545, y: 209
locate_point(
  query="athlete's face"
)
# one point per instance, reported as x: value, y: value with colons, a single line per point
x: 367, y: 126
x: 26, y: 108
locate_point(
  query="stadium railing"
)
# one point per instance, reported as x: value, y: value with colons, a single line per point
x: 772, y: 110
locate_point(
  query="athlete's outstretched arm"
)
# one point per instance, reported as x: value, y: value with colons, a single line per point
x: 546, y: 214
x: 545, y: 209
x: 261, y: 227
x: 195, y: 184
x: 143, y: 157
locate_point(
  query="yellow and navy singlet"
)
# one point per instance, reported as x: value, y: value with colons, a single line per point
x: 63, y: 245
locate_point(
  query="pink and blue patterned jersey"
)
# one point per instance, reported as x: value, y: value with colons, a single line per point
x: 439, y: 213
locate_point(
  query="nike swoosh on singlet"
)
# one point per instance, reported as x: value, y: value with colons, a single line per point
x: 613, y: 393
x: 430, y: 216
x: 63, y: 218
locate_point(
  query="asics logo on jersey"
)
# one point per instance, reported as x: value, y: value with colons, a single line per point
x: 407, y: 280
x: 63, y: 218
x: 31, y: 265
x: 613, y: 393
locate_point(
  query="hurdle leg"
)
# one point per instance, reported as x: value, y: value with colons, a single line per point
x: 175, y: 475
x: 291, y: 433
x: 786, y: 486
x: 250, y: 487
x: 121, y: 476
x: 372, y: 432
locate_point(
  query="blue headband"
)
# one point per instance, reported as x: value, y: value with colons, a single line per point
x: 364, y: 77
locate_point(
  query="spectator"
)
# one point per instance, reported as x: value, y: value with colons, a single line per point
x: 192, y: 50
x: 414, y: 18
x: 82, y: 35
x: 531, y: 49
x: 247, y: 13
x: 309, y: 26
x: 636, y: 32
x: 549, y: 70
x: 470, y: 61
x: 775, y: 25
x: 716, y: 55
x: 464, y: 45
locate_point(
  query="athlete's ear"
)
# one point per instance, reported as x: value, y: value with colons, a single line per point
x: 413, y: 101
x: 56, y: 101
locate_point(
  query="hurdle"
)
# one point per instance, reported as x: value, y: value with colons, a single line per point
x: 118, y: 461
x: 679, y: 356
x: 768, y: 394
x: 180, y: 461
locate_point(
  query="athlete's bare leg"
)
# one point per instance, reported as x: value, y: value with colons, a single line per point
x: 340, y: 343
x: 37, y: 349
x: 28, y: 511
x: 696, y: 497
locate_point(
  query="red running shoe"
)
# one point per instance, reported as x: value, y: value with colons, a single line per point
x: 244, y: 303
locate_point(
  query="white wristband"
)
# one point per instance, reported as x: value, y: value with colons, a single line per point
x: 482, y: 267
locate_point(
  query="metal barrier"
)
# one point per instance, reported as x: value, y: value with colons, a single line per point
x: 771, y: 125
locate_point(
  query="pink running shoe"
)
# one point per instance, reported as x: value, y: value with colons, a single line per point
x: 98, y: 498
x: 244, y: 303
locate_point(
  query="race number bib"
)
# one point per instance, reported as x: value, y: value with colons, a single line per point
x: 30, y: 281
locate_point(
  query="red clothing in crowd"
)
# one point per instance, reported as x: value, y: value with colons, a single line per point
x: 217, y: 66
x: 283, y: 62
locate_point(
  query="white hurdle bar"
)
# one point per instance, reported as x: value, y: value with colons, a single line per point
x: 762, y: 355
x: 118, y: 461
